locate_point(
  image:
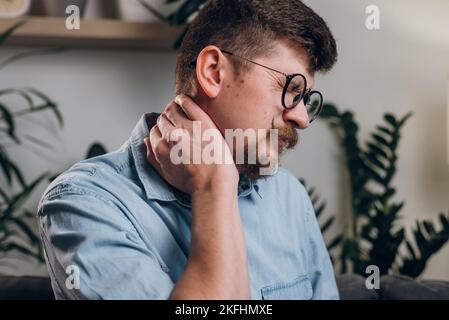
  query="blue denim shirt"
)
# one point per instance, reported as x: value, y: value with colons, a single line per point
x: 112, y: 228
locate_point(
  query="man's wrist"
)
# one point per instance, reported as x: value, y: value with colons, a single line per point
x: 220, y: 185
x: 216, y: 190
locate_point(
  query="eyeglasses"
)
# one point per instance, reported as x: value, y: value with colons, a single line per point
x: 294, y: 91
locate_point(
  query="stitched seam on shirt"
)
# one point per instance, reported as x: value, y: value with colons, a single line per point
x: 286, y: 284
x: 71, y: 189
x: 279, y: 287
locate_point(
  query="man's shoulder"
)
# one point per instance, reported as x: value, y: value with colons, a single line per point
x: 90, y: 176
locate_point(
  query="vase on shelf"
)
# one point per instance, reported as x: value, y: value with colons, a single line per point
x: 14, y: 8
x: 142, y: 11
x: 54, y: 8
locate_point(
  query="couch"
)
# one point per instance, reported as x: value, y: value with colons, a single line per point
x: 351, y: 287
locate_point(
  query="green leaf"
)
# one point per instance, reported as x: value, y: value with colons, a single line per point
x: 410, y: 249
x: 375, y: 161
x: 405, y: 119
x: 184, y: 12
x: 444, y: 221
x: 391, y: 119
x: 18, y: 174
x: 22, y: 93
x: 329, y: 111
x: 319, y: 210
x: 31, y: 235
x: 389, y: 192
x: 381, y: 140
x: 48, y: 104
x: 327, y: 224
x: 95, y: 150
x: 19, y: 199
x: 375, y: 175
x: 429, y: 228
x: 384, y: 130
x: 6, y: 115
x: 5, y: 165
x: 335, y: 242
x: 6, y: 247
x: 5, y: 197
x: 10, y: 31
x: 428, y: 245
x: 377, y: 150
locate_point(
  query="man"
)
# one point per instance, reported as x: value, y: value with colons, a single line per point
x: 137, y: 224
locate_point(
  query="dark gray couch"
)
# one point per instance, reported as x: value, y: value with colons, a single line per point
x: 351, y: 287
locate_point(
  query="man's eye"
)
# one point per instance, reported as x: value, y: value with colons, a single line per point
x: 295, y: 89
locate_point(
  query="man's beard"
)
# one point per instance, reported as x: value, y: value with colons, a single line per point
x: 288, y: 138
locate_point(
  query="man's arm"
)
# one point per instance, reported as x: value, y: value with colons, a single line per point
x: 90, y: 241
x: 217, y: 266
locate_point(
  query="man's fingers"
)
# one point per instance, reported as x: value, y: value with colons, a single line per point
x: 176, y: 115
x: 165, y: 127
x: 192, y: 110
x: 155, y: 135
x: 158, y: 144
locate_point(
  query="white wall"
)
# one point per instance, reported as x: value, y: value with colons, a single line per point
x: 398, y: 68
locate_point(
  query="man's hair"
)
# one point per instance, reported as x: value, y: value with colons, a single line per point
x: 249, y: 28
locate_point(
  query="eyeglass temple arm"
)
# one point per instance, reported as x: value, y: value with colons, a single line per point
x: 260, y: 65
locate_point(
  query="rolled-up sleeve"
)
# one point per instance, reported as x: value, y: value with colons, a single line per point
x: 87, y: 236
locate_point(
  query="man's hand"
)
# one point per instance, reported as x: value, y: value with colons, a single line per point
x: 217, y: 266
x: 180, y: 115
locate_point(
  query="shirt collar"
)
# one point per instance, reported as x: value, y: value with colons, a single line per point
x: 155, y: 186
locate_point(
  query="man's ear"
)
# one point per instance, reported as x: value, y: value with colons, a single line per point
x: 210, y: 70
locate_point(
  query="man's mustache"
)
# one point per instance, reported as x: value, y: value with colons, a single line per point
x: 288, y: 136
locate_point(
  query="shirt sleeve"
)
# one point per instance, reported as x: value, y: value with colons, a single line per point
x: 94, y: 252
x: 320, y: 268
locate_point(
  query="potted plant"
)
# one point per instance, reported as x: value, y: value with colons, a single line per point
x: 374, y: 235
x: 16, y: 222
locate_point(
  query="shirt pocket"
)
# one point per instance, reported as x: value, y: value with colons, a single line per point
x: 299, y: 288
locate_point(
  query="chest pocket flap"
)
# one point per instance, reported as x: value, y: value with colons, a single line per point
x: 299, y: 288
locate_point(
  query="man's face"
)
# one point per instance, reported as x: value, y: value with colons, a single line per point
x: 252, y: 100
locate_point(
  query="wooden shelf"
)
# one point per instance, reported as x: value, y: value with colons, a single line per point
x: 51, y: 31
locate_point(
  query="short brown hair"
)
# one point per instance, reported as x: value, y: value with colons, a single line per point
x: 249, y: 28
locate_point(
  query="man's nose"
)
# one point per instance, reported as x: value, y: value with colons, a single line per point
x: 297, y: 116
